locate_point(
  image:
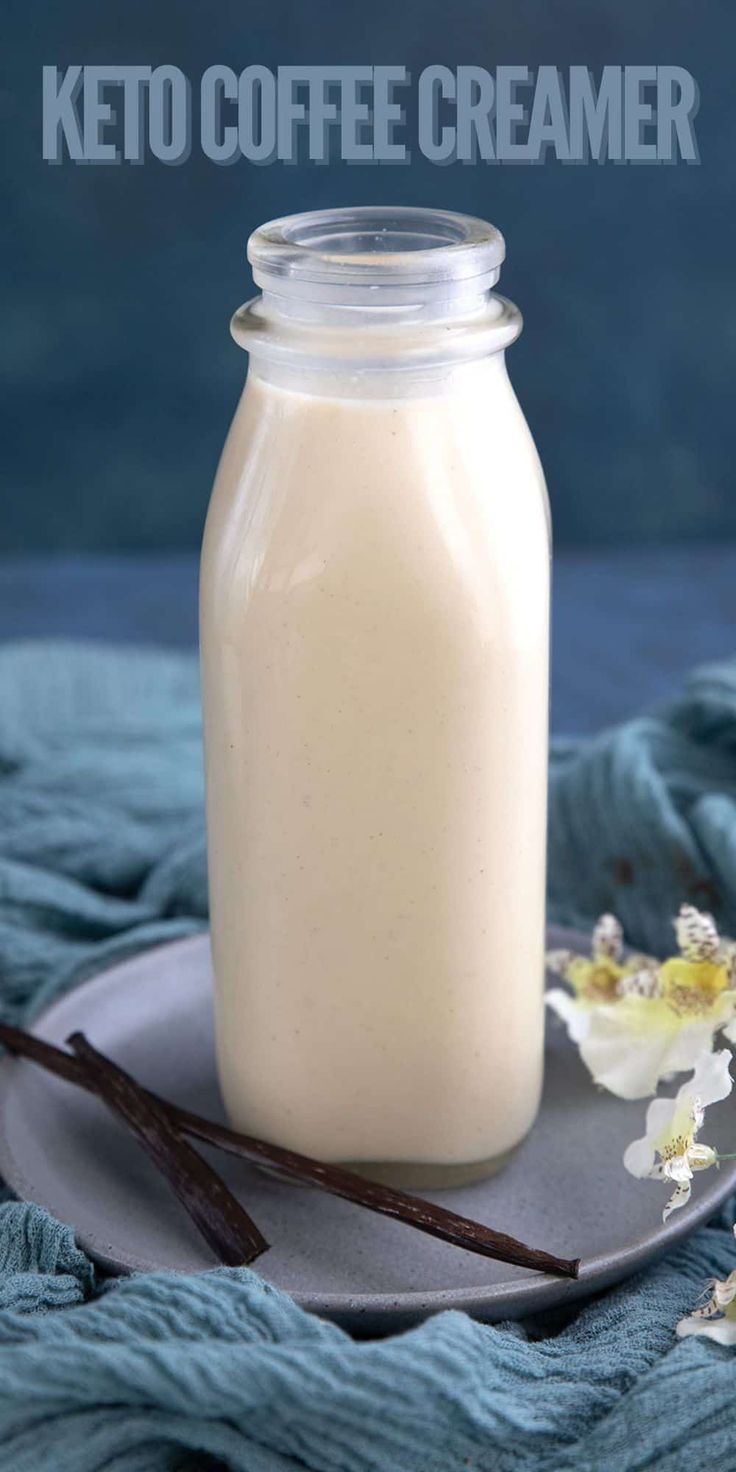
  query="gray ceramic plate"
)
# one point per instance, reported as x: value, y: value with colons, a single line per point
x: 566, y: 1189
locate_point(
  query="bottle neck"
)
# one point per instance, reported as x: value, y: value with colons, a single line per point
x: 396, y: 338
x: 480, y: 376
x: 375, y: 290
x: 401, y: 306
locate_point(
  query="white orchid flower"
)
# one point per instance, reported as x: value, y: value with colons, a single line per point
x: 637, y: 1021
x: 600, y: 976
x: 670, y: 1150
x: 715, y: 1319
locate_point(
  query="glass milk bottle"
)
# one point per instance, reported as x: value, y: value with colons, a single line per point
x: 374, y: 622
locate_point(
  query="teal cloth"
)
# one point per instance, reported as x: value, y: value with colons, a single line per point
x: 102, y: 852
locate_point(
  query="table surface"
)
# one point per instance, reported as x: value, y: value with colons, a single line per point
x: 627, y: 625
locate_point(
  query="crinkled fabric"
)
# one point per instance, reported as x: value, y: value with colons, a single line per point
x: 102, y: 853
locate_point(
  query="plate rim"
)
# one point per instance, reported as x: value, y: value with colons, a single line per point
x: 545, y: 1290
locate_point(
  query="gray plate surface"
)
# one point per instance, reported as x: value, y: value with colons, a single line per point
x: 566, y: 1188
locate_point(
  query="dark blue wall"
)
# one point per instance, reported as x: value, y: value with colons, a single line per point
x: 119, y: 376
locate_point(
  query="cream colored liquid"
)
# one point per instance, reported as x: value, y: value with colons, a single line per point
x: 374, y: 642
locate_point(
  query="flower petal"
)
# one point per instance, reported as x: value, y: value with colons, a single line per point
x: 692, y: 1037
x: 711, y: 1080
x: 639, y: 1158
x: 575, y: 1017
x: 640, y: 961
x: 641, y: 983
x: 630, y: 1045
x: 640, y: 1155
x: 679, y: 1169
x: 697, y: 936
x: 723, y: 1331
x: 679, y: 1198
x: 724, y: 1292
x: 558, y: 962
x: 608, y: 937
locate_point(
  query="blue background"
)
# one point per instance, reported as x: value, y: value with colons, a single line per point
x: 118, y: 373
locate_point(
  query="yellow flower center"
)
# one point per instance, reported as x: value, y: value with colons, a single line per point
x: 596, y: 980
x: 678, y: 1137
x: 674, y: 1148
x: 691, y: 986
